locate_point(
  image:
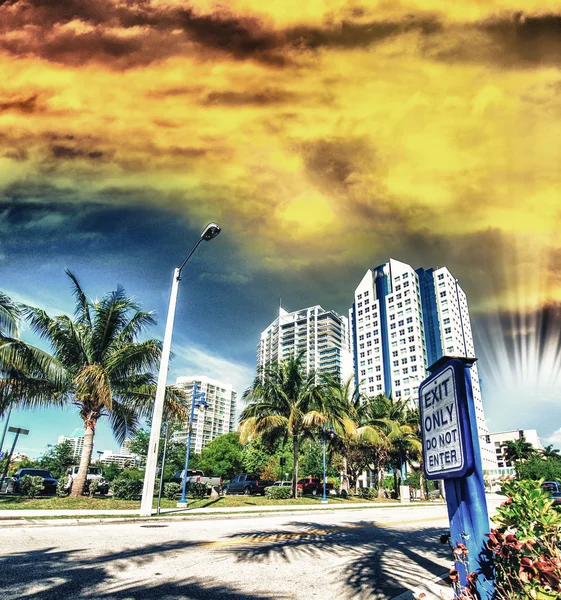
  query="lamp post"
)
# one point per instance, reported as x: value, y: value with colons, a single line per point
x: 18, y: 431
x: 208, y: 233
x: 163, y: 467
x: 198, y: 400
x: 326, y: 433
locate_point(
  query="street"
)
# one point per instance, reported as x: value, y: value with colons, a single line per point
x: 374, y: 553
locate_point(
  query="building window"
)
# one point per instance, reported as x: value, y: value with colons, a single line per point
x: 394, y: 353
x: 404, y: 361
x: 378, y: 378
x: 396, y: 363
x: 392, y: 326
x: 441, y: 276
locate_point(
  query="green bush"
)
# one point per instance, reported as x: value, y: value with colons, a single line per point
x: 196, y: 489
x: 125, y: 488
x: 30, y: 486
x: 278, y: 492
x: 367, y: 493
x: 92, y: 487
x: 61, y: 489
x: 172, y: 490
x: 524, y: 546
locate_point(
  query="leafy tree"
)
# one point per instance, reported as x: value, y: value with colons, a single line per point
x: 538, y: 467
x: 58, y: 458
x: 255, y: 456
x: 106, y: 371
x: 283, y: 401
x: 111, y: 471
x: 223, y: 456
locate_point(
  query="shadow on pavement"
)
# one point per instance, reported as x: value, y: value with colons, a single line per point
x: 52, y: 574
x: 380, y: 562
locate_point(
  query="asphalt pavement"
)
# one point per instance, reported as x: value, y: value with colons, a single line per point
x: 373, y: 553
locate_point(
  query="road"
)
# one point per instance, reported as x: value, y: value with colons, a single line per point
x: 371, y: 553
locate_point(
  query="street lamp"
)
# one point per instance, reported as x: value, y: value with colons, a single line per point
x: 198, y: 400
x: 326, y: 434
x: 208, y: 233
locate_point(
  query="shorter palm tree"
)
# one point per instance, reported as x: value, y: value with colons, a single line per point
x: 283, y: 401
x: 518, y: 450
x: 106, y: 371
x: 550, y: 452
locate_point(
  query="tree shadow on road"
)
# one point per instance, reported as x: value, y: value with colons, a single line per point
x: 381, y: 562
x: 50, y: 573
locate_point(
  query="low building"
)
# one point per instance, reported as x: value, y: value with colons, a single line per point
x: 499, y: 439
x: 123, y: 460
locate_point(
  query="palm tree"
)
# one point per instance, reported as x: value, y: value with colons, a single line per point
x: 283, y: 401
x: 29, y: 376
x: 550, y: 452
x: 106, y: 371
x: 406, y: 445
x: 518, y: 450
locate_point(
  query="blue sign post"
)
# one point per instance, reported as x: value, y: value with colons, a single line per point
x: 451, y: 452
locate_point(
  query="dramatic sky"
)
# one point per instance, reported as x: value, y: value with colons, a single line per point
x: 324, y: 136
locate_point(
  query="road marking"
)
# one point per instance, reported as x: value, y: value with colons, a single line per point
x: 279, y: 537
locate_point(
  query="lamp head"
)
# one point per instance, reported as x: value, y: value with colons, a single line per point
x: 210, y: 231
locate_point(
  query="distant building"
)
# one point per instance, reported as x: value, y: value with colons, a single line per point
x: 323, y: 336
x: 125, y: 446
x: 217, y: 419
x: 403, y: 320
x: 123, y: 460
x: 77, y: 444
x: 499, y: 439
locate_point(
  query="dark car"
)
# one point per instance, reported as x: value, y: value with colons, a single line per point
x: 556, y: 497
x: 551, y: 486
x: 49, y: 482
x: 246, y: 484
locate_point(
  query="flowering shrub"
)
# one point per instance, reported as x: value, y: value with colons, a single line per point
x: 525, y: 547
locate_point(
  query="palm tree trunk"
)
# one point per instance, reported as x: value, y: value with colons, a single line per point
x: 295, y: 474
x: 80, y: 481
x: 345, y: 478
x: 423, y: 495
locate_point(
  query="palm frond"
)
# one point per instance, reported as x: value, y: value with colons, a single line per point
x: 10, y: 315
x: 93, y: 385
x: 82, y: 309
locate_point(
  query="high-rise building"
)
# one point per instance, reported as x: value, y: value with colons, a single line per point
x: 403, y: 320
x: 322, y: 335
x: 218, y: 418
x: 77, y: 444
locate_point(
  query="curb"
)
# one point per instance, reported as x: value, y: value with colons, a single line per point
x: 75, y: 520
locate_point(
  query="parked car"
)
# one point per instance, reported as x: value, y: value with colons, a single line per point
x: 197, y: 476
x: 283, y: 483
x: 556, y: 497
x: 94, y: 473
x: 313, y: 486
x: 551, y: 486
x: 49, y: 482
x: 246, y: 484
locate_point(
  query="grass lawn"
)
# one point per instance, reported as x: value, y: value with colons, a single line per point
x: 108, y: 503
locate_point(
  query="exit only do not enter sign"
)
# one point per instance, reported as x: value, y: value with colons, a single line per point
x: 441, y: 426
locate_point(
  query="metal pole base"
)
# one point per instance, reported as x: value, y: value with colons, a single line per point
x: 182, y: 505
x: 324, y: 501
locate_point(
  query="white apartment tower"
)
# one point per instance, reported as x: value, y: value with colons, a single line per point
x: 322, y: 335
x: 77, y: 444
x: 387, y: 324
x: 218, y: 418
x: 414, y: 317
